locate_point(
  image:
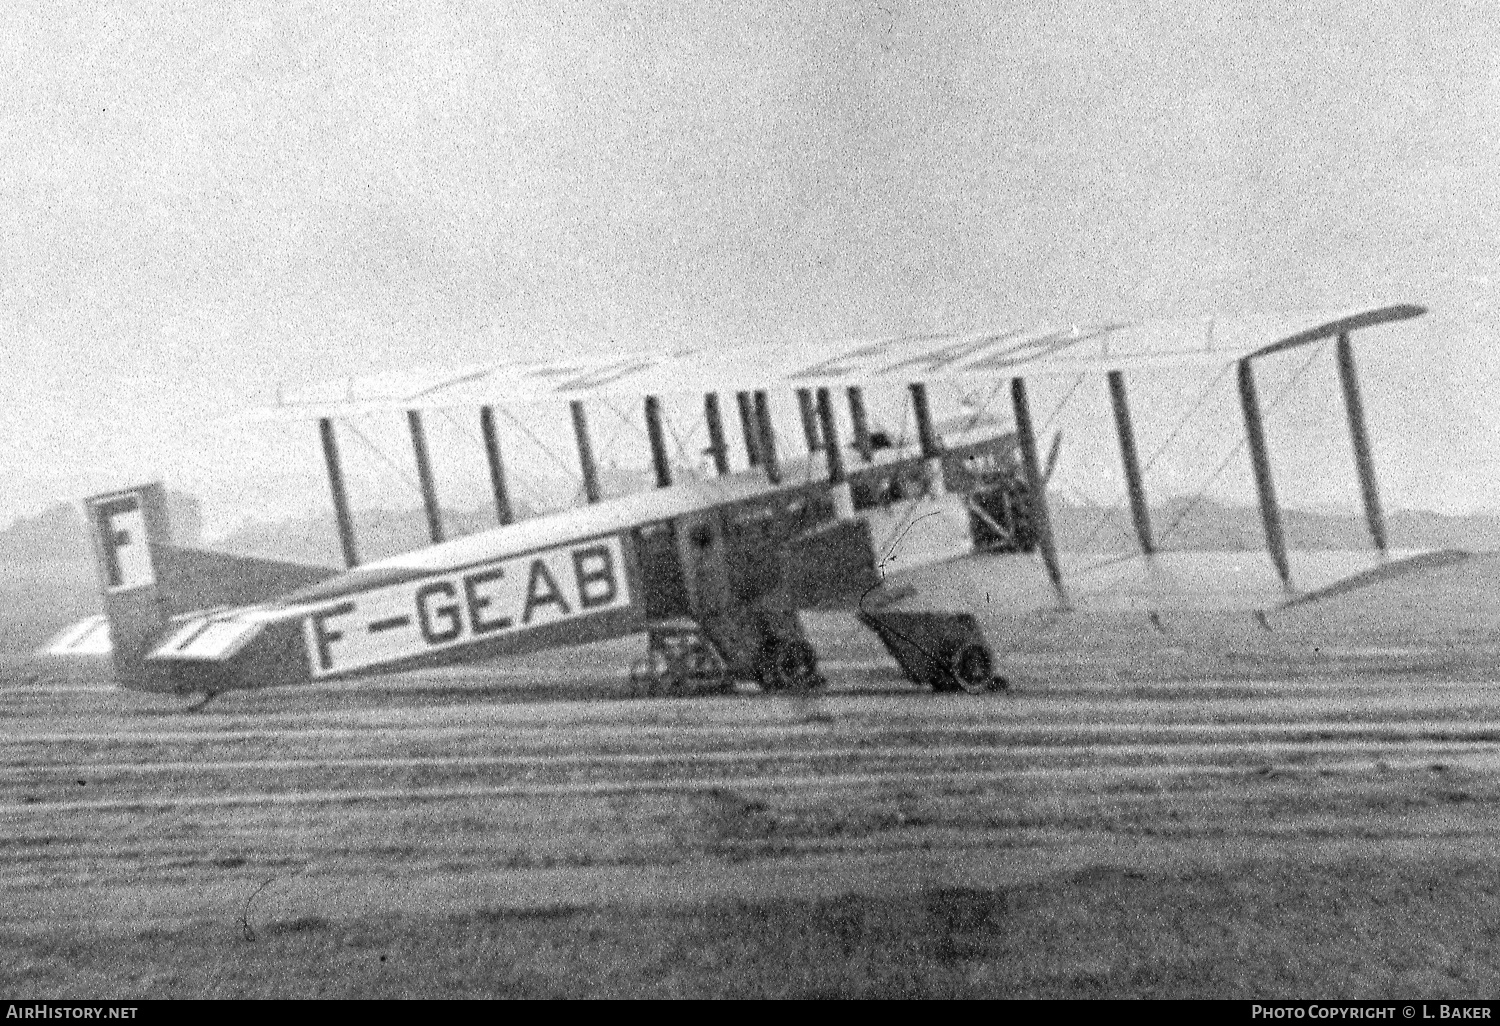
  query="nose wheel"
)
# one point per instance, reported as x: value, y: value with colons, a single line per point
x: 969, y: 668
x: 944, y: 651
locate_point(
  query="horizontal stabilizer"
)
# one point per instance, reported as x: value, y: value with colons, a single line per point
x: 194, y: 579
x: 86, y: 638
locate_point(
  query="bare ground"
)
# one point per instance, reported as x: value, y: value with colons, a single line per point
x: 1142, y: 816
x: 1362, y: 926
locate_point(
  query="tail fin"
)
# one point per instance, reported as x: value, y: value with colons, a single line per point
x: 123, y: 527
x: 147, y: 580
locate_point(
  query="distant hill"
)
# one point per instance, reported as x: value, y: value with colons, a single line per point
x: 54, y: 543
x: 1214, y: 526
x: 55, y: 540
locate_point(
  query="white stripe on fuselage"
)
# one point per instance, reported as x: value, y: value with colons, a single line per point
x: 449, y: 610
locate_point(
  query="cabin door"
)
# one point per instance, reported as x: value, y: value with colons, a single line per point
x: 705, y: 565
x: 665, y: 593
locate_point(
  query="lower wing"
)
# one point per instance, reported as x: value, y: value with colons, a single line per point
x: 1164, y: 582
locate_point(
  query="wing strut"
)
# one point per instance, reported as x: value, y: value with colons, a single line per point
x: 659, y: 461
x: 717, y: 447
x: 748, y: 429
x: 927, y: 438
x: 829, y: 433
x: 809, y: 419
x: 503, y: 511
x: 340, y: 496
x: 585, y: 452
x: 1364, y: 461
x: 1041, y: 520
x: 765, y: 438
x: 1260, y: 464
x: 1139, y: 511
x: 843, y: 499
x: 861, y: 423
x: 424, y: 477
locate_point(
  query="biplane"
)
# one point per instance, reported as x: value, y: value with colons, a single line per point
x: 923, y: 545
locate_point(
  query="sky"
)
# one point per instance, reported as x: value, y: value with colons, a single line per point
x: 201, y: 202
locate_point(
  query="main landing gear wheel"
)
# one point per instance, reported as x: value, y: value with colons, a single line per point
x: 790, y: 665
x: 709, y: 672
x: 655, y: 675
x: 969, y: 668
x: 679, y: 663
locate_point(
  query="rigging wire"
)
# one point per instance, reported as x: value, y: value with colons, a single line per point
x: 1111, y: 511
x: 984, y: 406
x: 607, y: 448
x: 688, y: 462
x: 571, y: 472
x: 404, y: 475
x: 1067, y: 397
x: 1276, y: 400
x: 622, y: 416
x: 536, y: 492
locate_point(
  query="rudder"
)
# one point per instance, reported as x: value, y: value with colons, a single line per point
x: 123, y: 526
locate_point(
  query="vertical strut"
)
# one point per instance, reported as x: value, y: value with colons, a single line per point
x: 1139, y: 511
x: 424, y: 477
x: 809, y: 419
x: 748, y: 428
x: 340, y: 497
x: 1041, y: 518
x: 833, y: 451
x: 1364, y: 460
x: 1260, y: 465
x: 585, y: 452
x: 659, y: 461
x: 717, y: 447
x: 765, y: 438
x: 829, y: 432
x: 927, y: 438
x: 926, y: 434
x: 861, y: 422
x: 503, y: 511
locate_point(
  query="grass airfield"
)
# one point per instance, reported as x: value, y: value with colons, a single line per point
x: 1215, y: 811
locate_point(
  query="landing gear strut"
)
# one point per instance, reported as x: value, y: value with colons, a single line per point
x: 944, y: 651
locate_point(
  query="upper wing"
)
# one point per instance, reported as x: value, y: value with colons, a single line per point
x: 1073, y: 349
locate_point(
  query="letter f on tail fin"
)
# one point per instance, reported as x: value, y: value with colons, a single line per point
x: 124, y: 527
